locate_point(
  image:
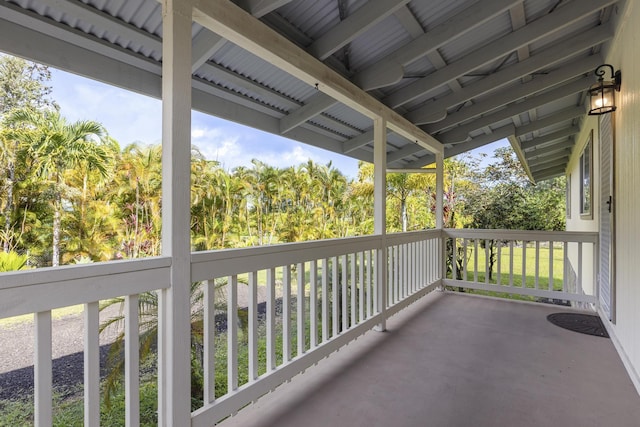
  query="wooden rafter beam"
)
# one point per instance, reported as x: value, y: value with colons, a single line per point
x: 231, y: 22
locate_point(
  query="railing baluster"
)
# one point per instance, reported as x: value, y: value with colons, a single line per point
x: 271, y: 319
x: 361, y: 286
x: 301, y: 315
x: 524, y: 264
x: 537, y: 280
x: 414, y: 269
x: 209, y: 322
x: 335, y: 286
x: 132, y: 361
x: 454, y: 263
x: 374, y: 282
x: 396, y: 274
x: 232, y: 333
x: 486, y: 261
x: 253, y: 326
x: 565, y: 277
x: 579, y: 290
x: 313, y: 303
x: 343, y: 282
x: 286, y: 314
x: 464, y: 259
x: 354, y: 307
x: 325, y: 300
x: 511, y: 247
x: 551, y: 265
x: 390, y: 299
x: 499, y: 264
x: 91, y: 364
x: 405, y: 270
x: 475, y: 260
x: 368, y: 282
x: 42, y: 370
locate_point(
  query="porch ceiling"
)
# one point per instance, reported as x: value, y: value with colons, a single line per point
x: 465, y: 72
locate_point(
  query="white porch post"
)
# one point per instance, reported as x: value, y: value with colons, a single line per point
x: 380, y: 213
x: 174, y: 375
x: 440, y: 209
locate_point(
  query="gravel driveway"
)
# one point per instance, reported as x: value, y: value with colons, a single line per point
x: 16, y: 353
x: 17, y: 344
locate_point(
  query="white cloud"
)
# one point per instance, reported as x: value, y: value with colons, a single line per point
x: 130, y: 117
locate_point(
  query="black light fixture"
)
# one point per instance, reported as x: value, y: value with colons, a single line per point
x: 602, y: 94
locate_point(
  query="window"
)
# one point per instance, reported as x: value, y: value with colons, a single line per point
x: 586, y: 172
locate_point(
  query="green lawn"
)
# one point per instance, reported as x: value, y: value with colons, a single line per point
x: 476, y: 264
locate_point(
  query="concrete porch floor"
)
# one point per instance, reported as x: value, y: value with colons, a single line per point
x: 459, y: 360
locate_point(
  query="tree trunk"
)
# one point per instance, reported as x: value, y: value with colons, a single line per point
x: 403, y: 213
x: 57, y: 207
x: 8, y: 210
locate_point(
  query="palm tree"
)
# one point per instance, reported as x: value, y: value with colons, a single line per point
x: 57, y: 146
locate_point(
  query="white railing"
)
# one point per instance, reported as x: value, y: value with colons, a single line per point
x: 271, y: 312
x: 558, y: 266
x: 318, y: 296
x: 40, y: 291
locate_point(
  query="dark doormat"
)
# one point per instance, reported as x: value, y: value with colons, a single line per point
x: 583, y: 323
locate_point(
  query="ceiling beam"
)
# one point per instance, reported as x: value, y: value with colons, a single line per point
x: 206, y: 43
x: 518, y: 91
x: 357, y: 142
x: 542, y: 27
x: 560, y: 52
x: 566, y: 152
x: 260, y: 8
x: 549, y: 173
x: 390, y: 69
x: 237, y: 26
x: 414, y: 28
x: 550, y: 163
x: 249, y: 85
x: 554, y: 149
x: 36, y: 38
x: 541, y: 141
x: 461, y: 133
x: 316, y: 105
x: 106, y: 22
x: 357, y: 23
x: 477, y: 142
x: 549, y: 150
x: 559, y: 117
x: 561, y: 155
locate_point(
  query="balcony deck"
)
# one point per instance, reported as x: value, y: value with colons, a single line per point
x: 459, y: 360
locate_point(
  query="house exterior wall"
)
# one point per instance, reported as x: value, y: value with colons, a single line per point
x: 622, y: 54
x: 576, y: 221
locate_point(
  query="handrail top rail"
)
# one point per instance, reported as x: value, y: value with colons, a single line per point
x: 39, y: 276
x: 527, y: 235
x: 230, y: 253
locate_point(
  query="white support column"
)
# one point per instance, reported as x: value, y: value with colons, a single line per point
x: 440, y: 210
x: 174, y: 405
x: 380, y: 211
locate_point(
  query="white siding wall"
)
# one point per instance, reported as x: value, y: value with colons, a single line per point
x: 624, y: 56
x: 577, y: 222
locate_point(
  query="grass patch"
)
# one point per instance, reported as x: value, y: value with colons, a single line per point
x: 507, y: 277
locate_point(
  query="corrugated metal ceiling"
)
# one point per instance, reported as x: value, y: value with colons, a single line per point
x: 445, y: 88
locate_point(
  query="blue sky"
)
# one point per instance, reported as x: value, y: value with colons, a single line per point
x: 130, y: 117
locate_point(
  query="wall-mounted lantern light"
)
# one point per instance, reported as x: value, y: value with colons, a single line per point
x: 602, y: 94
